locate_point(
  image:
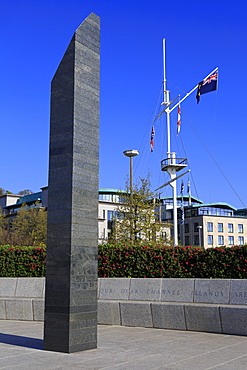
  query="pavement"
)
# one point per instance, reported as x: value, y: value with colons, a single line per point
x: 119, y: 347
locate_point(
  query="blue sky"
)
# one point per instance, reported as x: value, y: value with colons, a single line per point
x: 200, y: 36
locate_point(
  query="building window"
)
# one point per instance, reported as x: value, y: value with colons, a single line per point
x: 104, y: 213
x: 210, y: 226
x: 220, y: 228
x: 210, y: 239
x: 196, y: 239
x: 196, y: 227
x: 194, y: 212
x: 186, y: 228
x: 230, y: 240
x: 240, y: 228
x: 240, y: 240
x: 230, y: 228
x: 187, y: 240
x: 163, y: 235
x: 220, y: 239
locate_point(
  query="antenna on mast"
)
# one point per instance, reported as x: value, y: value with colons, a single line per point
x: 166, y: 99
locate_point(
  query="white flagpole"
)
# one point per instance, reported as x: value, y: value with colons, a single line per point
x: 166, y: 101
x: 171, y: 156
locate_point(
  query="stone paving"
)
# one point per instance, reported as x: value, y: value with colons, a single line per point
x: 120, y: 347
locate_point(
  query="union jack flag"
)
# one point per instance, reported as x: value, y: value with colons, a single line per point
x: 152, y: 140
x: 211, y: 78
x: 209, y: 84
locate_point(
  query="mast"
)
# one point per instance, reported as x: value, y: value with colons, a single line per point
x: 171, y: 164
x: 166, y: 101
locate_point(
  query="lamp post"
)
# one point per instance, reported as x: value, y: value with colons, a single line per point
x: 131, y: 153
x: 200, y: 238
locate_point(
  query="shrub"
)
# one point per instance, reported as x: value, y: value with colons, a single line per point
x: 139, y: 261
x: 22, y: 261
x: 181, y: 262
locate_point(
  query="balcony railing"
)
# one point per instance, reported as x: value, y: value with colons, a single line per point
x: 178, y: 163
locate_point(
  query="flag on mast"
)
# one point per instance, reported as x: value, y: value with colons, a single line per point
x: 182, y: 188
x: 208, y: 84
x: 182, y: 214
x: 182, y: 202
x: 179, y: 120
x: 152, y: 140
x: 189, y: 191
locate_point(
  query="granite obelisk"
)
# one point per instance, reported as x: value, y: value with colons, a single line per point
x: 72, y: 238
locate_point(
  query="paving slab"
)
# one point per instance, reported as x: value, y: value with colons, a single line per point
x: 121, y: 347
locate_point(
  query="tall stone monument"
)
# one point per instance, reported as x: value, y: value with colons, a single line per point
x: 72, y: 255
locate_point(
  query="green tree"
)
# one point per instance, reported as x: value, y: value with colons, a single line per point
x: 25, y: 192
x: 29, y: 227
x: 3, y: 229
x: 135, y: 219
x: 3, y: 192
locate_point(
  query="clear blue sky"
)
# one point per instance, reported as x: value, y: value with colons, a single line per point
x: 201, y: 35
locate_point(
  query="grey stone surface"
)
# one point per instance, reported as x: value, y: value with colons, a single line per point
x: 2, y: 309
x: 145, y: 289
x: 168, y: 316
x: 177, y: 290
x: 109, y: 312
x: 38, y: 306
x: 202, y: 317
x: 136, y: 314
x: 8, y: 287
x: 122, y: 348
x: 72, y: 236
x: 30, y: 287
x: 238, y: 291
x: 212, y: 291
x: 19, y: 309
x: 234, y: 319
x: 114, y: 288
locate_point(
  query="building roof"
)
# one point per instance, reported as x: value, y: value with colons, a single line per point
x: 111, y: 191
x: 185, y: 198
x: 215, y: 205
x: 26, y: 199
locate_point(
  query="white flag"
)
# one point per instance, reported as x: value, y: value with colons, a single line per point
x: 179, y: 120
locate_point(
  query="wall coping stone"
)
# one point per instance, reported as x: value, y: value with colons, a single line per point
x: 210, y: 291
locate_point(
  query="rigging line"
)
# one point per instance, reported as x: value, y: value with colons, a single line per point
x: 162, y: 152
x: 213, y: 159
x: 213, y: 140
x: 176, y: 87
x: 191, y: 174
x: 148, y: 129
x: 145, y: 142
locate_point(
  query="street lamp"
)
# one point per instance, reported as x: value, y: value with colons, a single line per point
x: 131, y: 153
x: 200, y: 239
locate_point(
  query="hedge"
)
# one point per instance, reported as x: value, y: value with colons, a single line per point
x: 167, y: 262
x: 22, y: 261
x: 138, y: 261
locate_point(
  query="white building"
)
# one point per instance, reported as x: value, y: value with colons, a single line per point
x: 207, y: 225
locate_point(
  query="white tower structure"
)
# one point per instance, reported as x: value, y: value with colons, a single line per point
x: 171, y: 164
